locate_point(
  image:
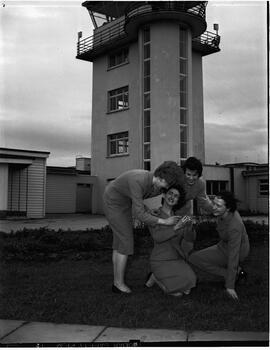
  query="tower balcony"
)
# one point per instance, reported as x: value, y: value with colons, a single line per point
x: 124, y: 29
x: 191, y: 13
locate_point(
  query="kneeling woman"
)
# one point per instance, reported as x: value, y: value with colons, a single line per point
x: 169, y: 268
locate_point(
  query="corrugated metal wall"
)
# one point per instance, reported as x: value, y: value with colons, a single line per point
x: 60, y: 193
x: 69, y: 193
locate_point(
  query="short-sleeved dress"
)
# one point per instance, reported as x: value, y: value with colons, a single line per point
x: 123, y: 200
x: 167, y: 259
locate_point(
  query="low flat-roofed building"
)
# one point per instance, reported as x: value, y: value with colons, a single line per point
x: 70, y: 190
x: 22, y: 182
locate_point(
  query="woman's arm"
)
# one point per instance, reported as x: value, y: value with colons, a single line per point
x: 234, y: 243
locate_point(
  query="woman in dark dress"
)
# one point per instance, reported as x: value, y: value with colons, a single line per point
x: 168, y: 258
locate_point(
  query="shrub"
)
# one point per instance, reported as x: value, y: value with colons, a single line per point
x: 42, y: 244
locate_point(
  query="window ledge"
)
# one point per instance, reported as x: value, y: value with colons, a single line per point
x: 118, y: 155
x: 118, y: 110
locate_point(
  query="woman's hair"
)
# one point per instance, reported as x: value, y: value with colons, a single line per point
x: 182, y: 196
x: 170, y: 171
x: 229, y: 199
x: 193, y: 163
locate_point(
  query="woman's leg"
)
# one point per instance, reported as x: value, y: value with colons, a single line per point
x: 119, y: 266
x: 211, y: 260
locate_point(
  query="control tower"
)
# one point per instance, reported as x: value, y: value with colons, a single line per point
x: 147, y: 96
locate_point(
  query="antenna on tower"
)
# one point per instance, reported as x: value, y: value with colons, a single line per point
x: 216, y: 27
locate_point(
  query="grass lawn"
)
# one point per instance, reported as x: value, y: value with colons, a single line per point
x: 76, y: 289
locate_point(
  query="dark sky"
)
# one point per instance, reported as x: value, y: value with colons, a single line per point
x: 45, y: 93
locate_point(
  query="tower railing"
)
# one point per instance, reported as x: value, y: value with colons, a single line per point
x: 137, y: 8
x: 102, y: 38
x: 115, y: 32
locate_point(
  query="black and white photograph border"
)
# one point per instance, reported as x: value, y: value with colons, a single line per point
x: 61, y: 143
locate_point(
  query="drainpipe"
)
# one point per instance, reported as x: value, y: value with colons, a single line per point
x: 232, y: 179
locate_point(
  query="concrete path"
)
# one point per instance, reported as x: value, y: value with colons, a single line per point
x: 21, y: 332
x: 55, y: 222
x: 74, y: 222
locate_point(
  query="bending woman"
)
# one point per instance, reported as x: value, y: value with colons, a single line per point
x: 123, y: 199
x: 169, y: 268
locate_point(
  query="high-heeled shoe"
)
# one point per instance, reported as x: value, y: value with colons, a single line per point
x: 119, y: 291
x: 241, y: 276
x: 146, y: 284
x: 177, y: 294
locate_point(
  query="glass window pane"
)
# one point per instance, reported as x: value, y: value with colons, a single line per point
x: 146, y: 84
x: 183, y: 83
x: 183, y: 116
x: 113, y: 148
x: 183, y: 150
x: 147, y: 151
x: 183, y: 99
x: 147, y: 100
x: 146, y: 118
x: 125, y: 100
x: 147, y: 134
x: 183, y: 51
x: 146, y: 68
x: 120, y: 102
x: 146, y: 53
x: 183, y: 66
x: 112, y: 106
x: 112, y: 61
x: 146, y: 35
x: 147, y: 166
x: 183, y: 133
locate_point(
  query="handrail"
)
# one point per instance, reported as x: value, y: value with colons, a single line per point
x: 138, y: 8
x: 92, y: 43
x: 116, y: 31
x: 104, y: 37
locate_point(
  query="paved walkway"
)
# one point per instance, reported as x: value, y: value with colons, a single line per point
x: 74, y: 222
x: 55, y: 222
x: 21, y: 332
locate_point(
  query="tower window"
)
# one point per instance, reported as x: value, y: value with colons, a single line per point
x: 146, y: 99
x: 183, y: 92
x: 117, y: 144
x: 118, y: 99
x: 118, y: 58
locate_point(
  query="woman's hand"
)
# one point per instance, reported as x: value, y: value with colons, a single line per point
x: 232, y: 293
x: 182, y: 222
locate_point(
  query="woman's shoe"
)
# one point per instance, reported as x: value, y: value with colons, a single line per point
x: 187, y: 292
x: 119, y: 291
x: 241, y: 276
x: 150, y: 281
x: 177, y: 294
